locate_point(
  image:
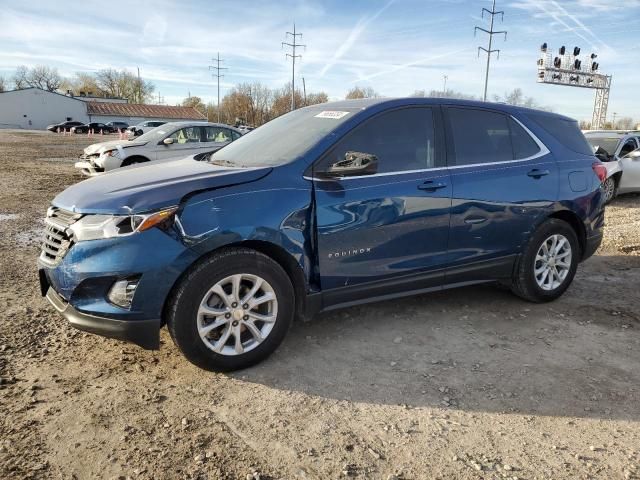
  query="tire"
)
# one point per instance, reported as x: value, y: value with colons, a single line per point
x: 609, y: 189
x: 214, y: 351
x: 538, y: 288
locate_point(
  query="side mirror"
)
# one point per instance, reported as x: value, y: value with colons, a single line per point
x: 354, y: 164
x: 168, y: 141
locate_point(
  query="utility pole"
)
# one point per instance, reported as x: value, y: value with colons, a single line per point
x: 613, y: 122
x: 444, y: 89
x: 304, y: 90
x: 217, y: 76
x: 293, y: 56
x: 491, y: 33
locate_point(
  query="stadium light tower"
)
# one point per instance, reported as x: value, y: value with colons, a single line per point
x: 566, y: 68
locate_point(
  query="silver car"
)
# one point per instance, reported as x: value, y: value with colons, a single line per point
x: 166, y: 142
x: 620, y: 152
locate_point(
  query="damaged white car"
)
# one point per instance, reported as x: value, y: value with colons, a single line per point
x: 166, y: 142
x: 619, y: 150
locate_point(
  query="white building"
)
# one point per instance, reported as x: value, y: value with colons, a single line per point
x: 35, y: 109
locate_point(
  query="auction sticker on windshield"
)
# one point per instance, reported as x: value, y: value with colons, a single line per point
x: 331, y: 114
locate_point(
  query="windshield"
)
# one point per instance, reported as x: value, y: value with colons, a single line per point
x: 282, y: 140
x: 608, y: 144
x: 156, y: 134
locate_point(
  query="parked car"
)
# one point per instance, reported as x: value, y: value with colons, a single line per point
x: 118, y: 126
x: 327, y: 206
x: 95, y: 127
x: 166, y: 142
x: 144, y: 127
x: 618, y: 149
x: 64, y: 126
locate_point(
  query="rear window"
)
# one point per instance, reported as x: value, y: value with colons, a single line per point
x: 566, y: 132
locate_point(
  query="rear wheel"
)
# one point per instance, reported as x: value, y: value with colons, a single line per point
x: 232, y: 310
x: 548, y: 264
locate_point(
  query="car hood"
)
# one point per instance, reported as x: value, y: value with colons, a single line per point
x: 151, y: 186
x: 102, y: 146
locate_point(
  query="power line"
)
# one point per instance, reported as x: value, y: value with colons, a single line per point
x: 217, y: 76
x: 293, y: 56
x: 491, y: 32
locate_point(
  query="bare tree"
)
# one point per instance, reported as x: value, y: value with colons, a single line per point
x: 124, y: 84
x: 624, y: 123
x: 362, y: 92
x: 20, y: 77
x: 316, y: 98
x: 40, y: 76
x: 3, y: 85
x: 195, y: 102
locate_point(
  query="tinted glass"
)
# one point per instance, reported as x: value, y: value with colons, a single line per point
x: 523, y: 145
x: 628, y: 147
x: 480, y: 136
x: 401, y: 140
x: 566, y: 132
x: 235, y: 135
x: 186, y: 135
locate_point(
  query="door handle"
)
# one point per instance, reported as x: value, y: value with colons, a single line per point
x: 431, y: 186
x: 537, y: 173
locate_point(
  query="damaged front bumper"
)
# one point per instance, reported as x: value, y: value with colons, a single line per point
x: 78, y: 284
x: 144, y: 333
x: 88, y: 168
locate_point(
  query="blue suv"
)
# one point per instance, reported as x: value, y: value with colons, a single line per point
x: 328, y: 206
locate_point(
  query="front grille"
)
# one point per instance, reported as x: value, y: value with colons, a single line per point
x: 57, y: 240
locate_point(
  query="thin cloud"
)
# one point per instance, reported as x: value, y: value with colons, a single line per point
x: 353, y: 36
x: 407, y: 65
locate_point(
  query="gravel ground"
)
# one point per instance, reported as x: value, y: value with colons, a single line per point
x: 471, y: 383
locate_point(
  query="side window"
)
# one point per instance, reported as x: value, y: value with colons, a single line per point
x: 401, y: 140
x: 479, y: 136
x: 235, y: 135
x: 217, y: 134
x: 627, y: 148
x: 523, y: 145
x: 186, y: 135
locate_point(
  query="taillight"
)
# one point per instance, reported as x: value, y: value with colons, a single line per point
x: 600, y: 170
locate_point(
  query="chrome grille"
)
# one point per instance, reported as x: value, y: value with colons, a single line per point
x: 57, y: 241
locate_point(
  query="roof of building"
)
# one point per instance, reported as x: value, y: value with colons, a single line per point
x: 145, y: 111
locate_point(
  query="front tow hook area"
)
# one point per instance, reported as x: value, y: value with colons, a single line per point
x: 144, y: 333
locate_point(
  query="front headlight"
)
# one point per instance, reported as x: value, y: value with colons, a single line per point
x: 95, y: 227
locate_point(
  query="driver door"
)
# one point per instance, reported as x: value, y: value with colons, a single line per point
x: 384, y: 233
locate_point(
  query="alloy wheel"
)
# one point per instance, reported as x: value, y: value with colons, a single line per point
x: 552, y: 262
x: 237, y: 314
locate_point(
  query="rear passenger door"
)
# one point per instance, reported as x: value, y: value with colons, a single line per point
x: 503, y: 180
x: 215, y: 138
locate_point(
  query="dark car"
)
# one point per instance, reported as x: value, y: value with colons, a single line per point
x: 95, y: 127
x: 64, y: 126
x: 328, y: 206
x: 118, y: 126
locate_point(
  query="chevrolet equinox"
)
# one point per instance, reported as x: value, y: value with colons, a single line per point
x: 328, y: 206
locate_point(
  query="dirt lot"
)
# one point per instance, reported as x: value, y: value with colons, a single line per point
x: 470, y: 383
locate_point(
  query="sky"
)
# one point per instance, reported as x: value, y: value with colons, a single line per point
x: 394, y: 46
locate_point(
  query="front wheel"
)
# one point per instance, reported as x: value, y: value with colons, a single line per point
x: 548, y: 264
x: 232, y: 310
x: 609, y: 189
